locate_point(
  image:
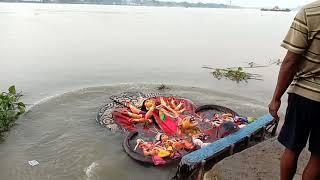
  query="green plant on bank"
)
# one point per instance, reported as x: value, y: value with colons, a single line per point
x: 235, y: 74
x: 10, y: 108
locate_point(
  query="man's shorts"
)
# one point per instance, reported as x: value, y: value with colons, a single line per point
x: 302, y: 121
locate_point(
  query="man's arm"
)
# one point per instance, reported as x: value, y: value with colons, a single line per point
x: 296, y: 42
x: 288, y: 69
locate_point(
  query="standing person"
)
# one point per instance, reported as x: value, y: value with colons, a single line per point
x: 301, y: 71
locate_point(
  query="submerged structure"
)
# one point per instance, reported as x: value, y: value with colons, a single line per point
x: 161, y: 129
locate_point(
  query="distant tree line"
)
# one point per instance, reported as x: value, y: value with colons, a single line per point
x: 132, y: 2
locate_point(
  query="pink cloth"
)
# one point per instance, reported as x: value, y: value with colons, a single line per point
x: 158, y: 160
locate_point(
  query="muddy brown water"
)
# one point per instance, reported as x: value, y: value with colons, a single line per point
x: 54, y: 52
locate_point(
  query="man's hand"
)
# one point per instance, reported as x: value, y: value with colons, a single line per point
x: 274, y: 108
x: 288, y: 69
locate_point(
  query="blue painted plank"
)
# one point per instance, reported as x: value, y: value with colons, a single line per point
x: 219, y: 145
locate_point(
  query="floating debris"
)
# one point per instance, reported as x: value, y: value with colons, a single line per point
x: 33, y: 163
x: 235, y: 74
x: 253, y: 65
x: 239, y: 74
x: 163, y: 87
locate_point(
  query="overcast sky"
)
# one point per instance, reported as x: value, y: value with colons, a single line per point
x: 258, y: 3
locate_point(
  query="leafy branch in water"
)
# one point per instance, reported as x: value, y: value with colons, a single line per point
x: 238, y: 73
x: 235, y: 74
x: 10, y: 108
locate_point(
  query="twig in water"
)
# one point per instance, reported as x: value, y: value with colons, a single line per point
x: 276, y: 62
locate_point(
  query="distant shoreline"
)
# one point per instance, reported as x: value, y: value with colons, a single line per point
x: 153, y: 4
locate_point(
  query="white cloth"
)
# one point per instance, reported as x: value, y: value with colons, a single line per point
x: 199, y: 143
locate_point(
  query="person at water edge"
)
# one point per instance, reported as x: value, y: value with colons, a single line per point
x: 300, y: 71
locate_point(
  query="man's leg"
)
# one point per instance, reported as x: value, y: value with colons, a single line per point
x: 288, y: 164
x: 312, y: 170
x: 294, y: 134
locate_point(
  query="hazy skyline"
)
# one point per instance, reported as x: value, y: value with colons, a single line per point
x: 257, y: 3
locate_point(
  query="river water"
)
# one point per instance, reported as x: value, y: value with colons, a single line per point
x: 68, y: 59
